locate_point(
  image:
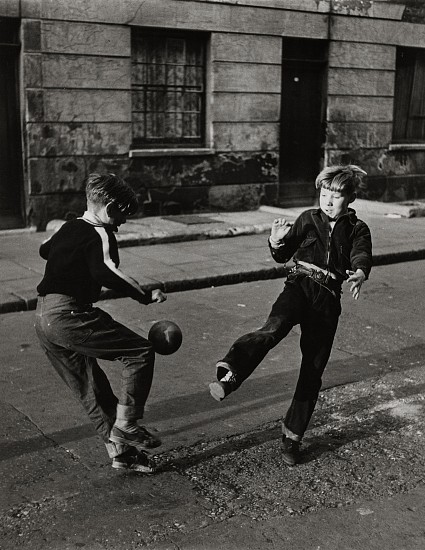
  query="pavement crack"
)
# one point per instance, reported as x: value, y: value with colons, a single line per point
x: 34, y: 443
x: 33, y: 424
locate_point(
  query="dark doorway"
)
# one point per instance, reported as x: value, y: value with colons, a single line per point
x: 303, y: 109
x: 11, y: 204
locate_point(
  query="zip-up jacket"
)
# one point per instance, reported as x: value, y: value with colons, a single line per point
x: 82, y: 257
x: 310, y: 239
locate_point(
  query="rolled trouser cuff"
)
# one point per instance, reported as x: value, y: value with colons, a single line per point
x: 115, y: 449
x: 287, y: 432
x: 129, y: 412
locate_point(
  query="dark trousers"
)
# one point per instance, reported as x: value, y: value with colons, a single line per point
x: 73, y: 338
x: 307, y: 303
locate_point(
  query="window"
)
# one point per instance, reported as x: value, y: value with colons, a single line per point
x: 168, y: 89
x: 409, y: 100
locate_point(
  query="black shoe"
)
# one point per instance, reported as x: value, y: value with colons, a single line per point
x: 139, y: 438
x: 134, y: 460
x: 218, y: 390
x: 290, y: 451
x: 221, y: 389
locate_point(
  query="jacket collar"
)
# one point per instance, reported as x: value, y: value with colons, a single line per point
x: 350, y: 215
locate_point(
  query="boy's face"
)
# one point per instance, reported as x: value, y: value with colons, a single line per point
x: 111, y: 215
x: 334, y: 203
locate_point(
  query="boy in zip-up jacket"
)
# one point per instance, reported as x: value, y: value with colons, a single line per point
x: 82, y: 256
x: 329, y: 245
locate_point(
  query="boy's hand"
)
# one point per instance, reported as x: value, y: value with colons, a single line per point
x: 158, y: 296
x: 280, y: 228
x: 357, y: 278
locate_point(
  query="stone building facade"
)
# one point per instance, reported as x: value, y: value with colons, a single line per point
x: 206, y: 105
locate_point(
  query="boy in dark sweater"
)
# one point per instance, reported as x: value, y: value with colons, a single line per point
x: 328, y: 245
x: 81, y: 258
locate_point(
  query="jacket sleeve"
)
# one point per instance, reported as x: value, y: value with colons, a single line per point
x: 289, y: 244
x: 361, y: 251
x: 105, y: 272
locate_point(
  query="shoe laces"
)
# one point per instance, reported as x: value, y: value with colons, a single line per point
x: 229, y: 377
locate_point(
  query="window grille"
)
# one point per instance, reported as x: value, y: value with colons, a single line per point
x: 168, y: 89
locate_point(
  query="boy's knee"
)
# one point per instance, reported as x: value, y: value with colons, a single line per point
x: 276, y: 328
x: 144, y: 347
x: 143, y: 355
x: 147, y: 351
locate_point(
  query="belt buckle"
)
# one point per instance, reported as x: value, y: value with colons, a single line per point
x: 319, y: 276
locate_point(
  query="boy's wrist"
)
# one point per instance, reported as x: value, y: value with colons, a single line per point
x: 274, y: 243
x: 361, y: 272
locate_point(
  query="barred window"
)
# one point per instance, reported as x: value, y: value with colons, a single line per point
x: 168, y: 89
x: 409, y: 96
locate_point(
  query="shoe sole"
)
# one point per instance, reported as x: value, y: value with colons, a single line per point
x: 139, y: 469
x: 138, y: 444
x: 288, y: 461
x: 217, y: 391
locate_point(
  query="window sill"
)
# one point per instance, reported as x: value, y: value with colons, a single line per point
x: 170, y: 152
x: 407, y: 147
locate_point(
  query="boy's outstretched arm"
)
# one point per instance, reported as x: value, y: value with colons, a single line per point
x: 104, y: 270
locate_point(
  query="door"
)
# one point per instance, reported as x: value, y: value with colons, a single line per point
x: 302, y: 130
x: 11, y: 205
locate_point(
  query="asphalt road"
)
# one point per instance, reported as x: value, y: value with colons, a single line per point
x: 48, y: 445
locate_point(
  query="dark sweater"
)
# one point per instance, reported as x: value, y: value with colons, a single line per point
x: 81, y: 258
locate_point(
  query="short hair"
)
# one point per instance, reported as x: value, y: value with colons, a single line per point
x: 343, y: 178
x: 109, y: 188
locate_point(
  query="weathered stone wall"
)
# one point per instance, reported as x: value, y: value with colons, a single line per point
x: 414, y: 12
x: 361, y: 102
x: 244, y: 109
x: 76, y: 98
x: 76, y: 79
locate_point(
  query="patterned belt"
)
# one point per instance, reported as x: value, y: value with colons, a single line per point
x: 326, y: 279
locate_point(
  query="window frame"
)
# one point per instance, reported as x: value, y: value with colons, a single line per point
x: 142, y: 146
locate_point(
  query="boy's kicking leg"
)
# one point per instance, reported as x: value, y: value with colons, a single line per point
x: 249, y: 350
x: 113, y: 341
x: 72, y: 343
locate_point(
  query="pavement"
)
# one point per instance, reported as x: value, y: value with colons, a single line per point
x: 196, y: 251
